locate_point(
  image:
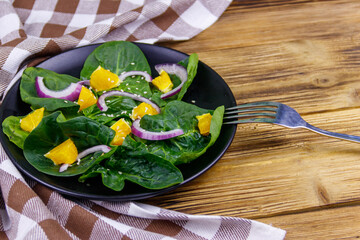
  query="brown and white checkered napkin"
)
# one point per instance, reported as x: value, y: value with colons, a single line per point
x: 34, y: 29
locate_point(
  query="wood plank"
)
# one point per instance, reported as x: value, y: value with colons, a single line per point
x: 288, y: 64
x: 333, y: 223
x: 305, y: 54
x: 275, y: 73
x: 271, y: 24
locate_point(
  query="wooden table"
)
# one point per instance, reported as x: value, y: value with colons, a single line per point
x: 305, y: 54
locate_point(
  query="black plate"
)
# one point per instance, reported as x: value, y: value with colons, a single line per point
x: 208, y: 90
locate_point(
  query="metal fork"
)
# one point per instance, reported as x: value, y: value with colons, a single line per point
x: 277, y: 113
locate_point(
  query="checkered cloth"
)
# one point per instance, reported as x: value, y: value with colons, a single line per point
x: 33, y: 29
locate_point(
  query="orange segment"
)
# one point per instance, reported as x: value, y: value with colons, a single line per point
x: 102, y: 79
x: 33, y: 119
x: 122, y: 129
x: 163, y: 82
x: 66, y: 152
x: 204, y: 122
x: 142, y: 109
x: 86, y: 98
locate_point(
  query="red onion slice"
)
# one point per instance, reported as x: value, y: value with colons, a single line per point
x: 102, y: 104
x: 148, y: 135
x: 103, y: 148
x: 84, y: 82
x: 70, y: 93
x: 146, y: 76
x: 64, y: 167
x: 178, y: 70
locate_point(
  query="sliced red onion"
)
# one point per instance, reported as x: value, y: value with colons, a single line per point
x: 70, y: 93
x: 64, y: 167
x: 144, y: 134
x: 146, y: 76
x: 102, y: 104
x: 178, y: 70
x: 102, y: 148
x: 84, y: 82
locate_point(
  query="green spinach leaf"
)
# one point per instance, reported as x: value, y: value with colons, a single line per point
x: 50, y: 134
x: 191, y: 64
x: 191, y: 144
x: 11, y: 128
x: 85, y: 132
x: 110, y: 178
x: 133, y: 162
x: 118, y: 107
x: 53, y: 81
x: 118, y: 57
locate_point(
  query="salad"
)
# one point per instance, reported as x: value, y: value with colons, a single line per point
x: 118, y: 122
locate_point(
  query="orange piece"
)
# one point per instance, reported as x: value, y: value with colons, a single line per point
x: 102, y: 79
x: 66, y: 152
x: 33, y: 119
x: 122, y: 129
x: 204, y: 122
x: 163, y: 82
x: 86, y: 98
x: 142, y: 109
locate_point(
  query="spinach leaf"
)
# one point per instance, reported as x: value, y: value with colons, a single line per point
x: 119, y: 57
x: 134, y: 163
x: 85, y: 132
x: 191, y: 144
x: 110, y: 178
x: 116, y: 56
x: 145, y: 169
x: 46, y: 136
x: 53, y: 81
x: 118, y: 107
x: 11, y: 128
x: 50, y: 134
x: 191, y: 64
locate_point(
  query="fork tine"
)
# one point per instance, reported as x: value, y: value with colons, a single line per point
x: 264, y: 112
x: 249, y: 110
x: 272, y: 115
x: 255, y: 104
x: 251, y: 120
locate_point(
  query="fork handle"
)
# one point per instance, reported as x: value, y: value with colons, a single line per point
x: 332, y: 134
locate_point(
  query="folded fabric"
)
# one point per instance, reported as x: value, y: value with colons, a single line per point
x: 38, y: 28
x: 31, y: 30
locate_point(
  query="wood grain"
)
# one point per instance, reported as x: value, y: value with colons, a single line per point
x: 305, y: 54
